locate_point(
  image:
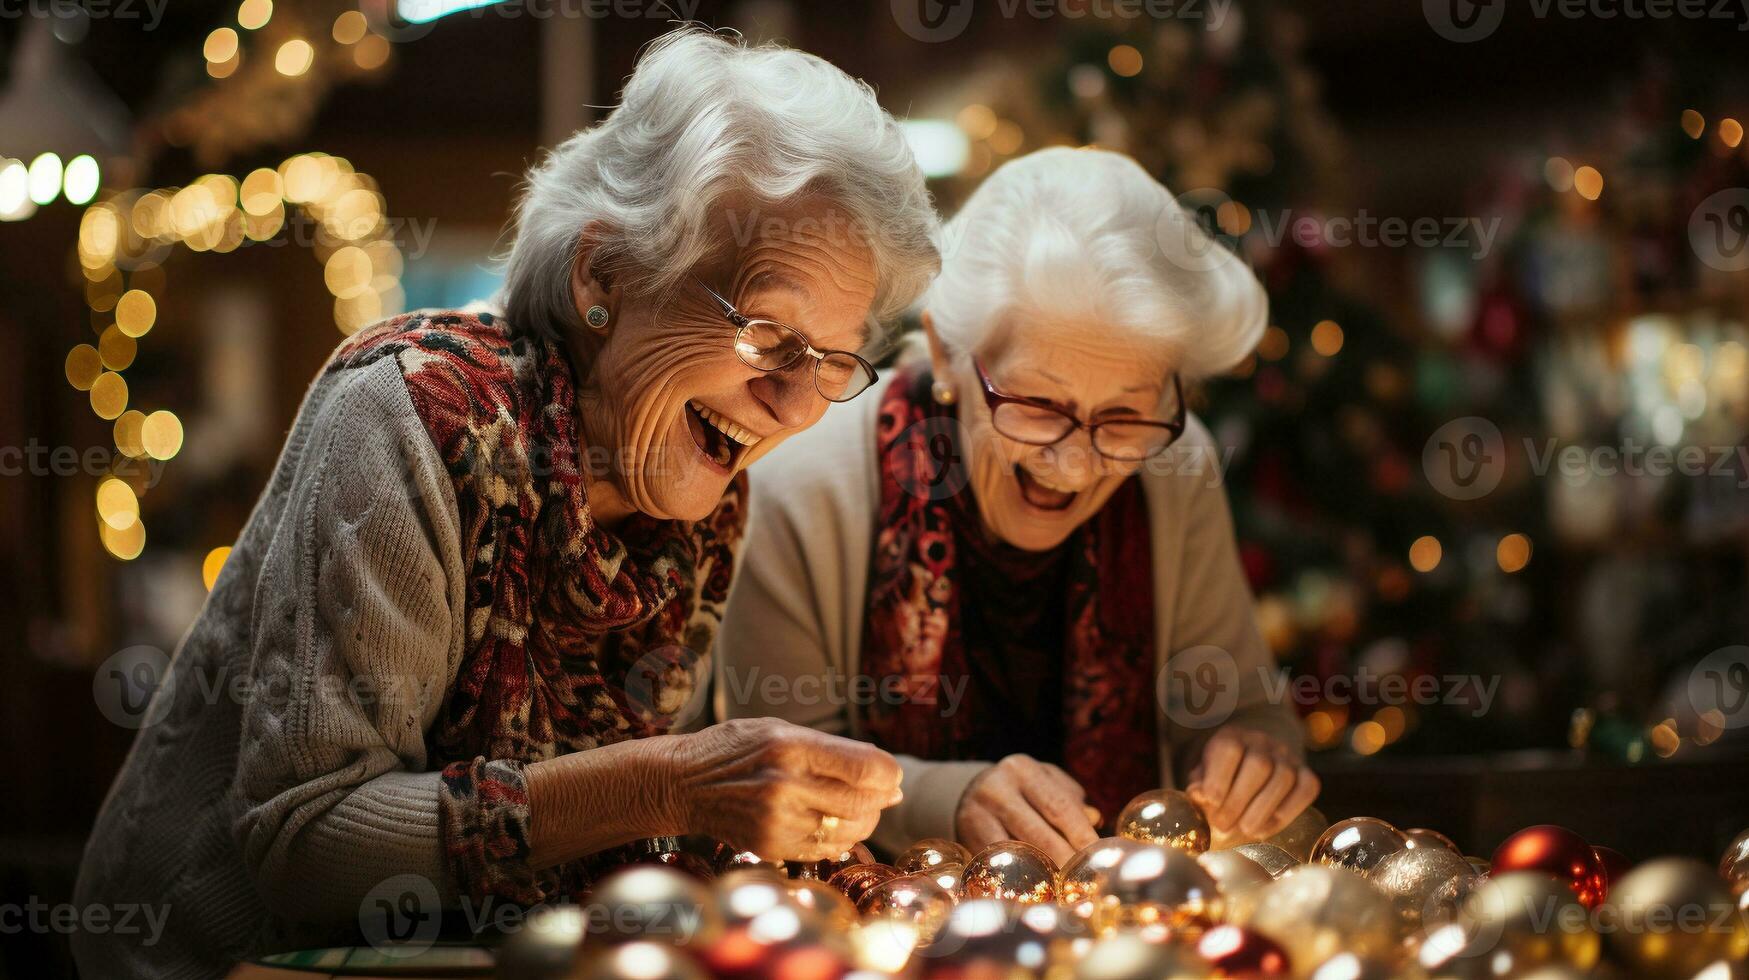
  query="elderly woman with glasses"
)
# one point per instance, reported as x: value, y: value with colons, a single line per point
x: 441, y: 662
x: 1014, y: 568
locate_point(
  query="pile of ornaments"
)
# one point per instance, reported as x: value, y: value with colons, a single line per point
x: 1353, y: 900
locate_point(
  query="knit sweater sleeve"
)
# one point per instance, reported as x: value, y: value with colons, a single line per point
x: 357, y: 632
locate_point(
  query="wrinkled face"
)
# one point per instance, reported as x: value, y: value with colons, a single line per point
x: 1033, y: 497
x: 668, y: 403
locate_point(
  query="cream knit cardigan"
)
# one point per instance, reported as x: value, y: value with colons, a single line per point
x: 796, y: 608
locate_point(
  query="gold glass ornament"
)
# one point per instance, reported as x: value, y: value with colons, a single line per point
x: 1427, y: 884
x: 856, y: 880
x: 914, y: 899
x: 824, y: 870
x: 550, y: 943
x: 1315, y: 912
x: 1270, y: 857
x: 1233, y: 871
x: 1358, y: 844
x: 826, y: 902
x: 1011, y: 870
x: 1416, y: 837
x: 948, y: 876
x: 656, y: 903
x: 1672, y: 917
x: 727, y: 858
x: 987, y: 938
x: 1298, y: 837
x: 1514, y: 923
x: 1080, y: 878
x: 1165, y: 816
x: 930, y: 852
x: 1159, y: 890
x: 1734, y: 866
x: 1482, y: 865
x: 637, y: 961
x: 1127, y: 956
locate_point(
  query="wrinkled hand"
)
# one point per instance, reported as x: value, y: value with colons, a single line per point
x: 763, y: 785
x: 1250, y: 784
x: 1021, y: 798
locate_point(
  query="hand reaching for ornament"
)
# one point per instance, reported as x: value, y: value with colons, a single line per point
x: 1251, y: 784
x: 1021, y: 798
x: 764, y: 785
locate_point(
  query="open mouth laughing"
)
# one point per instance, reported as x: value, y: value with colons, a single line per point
x: 1040, y: 492
x: 720, y: 440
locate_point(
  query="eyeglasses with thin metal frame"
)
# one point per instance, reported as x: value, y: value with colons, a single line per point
x: 767, y: 345
x: 1036, y: 422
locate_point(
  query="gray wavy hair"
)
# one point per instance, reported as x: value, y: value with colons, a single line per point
x: 704, y: 118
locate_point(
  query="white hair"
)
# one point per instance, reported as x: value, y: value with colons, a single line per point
x: 705, y: 118
x: 1086, y: 234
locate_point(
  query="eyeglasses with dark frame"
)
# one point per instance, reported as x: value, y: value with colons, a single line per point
x: 767, y: 345
x: 1036, y: 422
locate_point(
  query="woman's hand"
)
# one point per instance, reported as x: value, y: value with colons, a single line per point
x: 764, y: 785
x: 1250, y: 785
x: 1021, y: 798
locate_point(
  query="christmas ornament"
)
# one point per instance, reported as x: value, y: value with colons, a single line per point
x: 1347, y: 966
x: 1269, y: 857
x: 1615, y: 864
x: 690, y: 855
x: 1672, y: 917
x: 727, y: 858
x: 1427, y: 884
x: 1480, y: 864
x: 985, y: 938
x: 1159, y: 890
x: 1315, y: 912
x: 825, y: 902
x: 1358, y: 844
x: 914, y: 899
x: 1511, y: 924
x: 1422, y: 837
x: 1080, y: 878
x: 824, y: 870
x: 856, y: 880
x: 1165, y: 816
x: 1559, y: 852
x: 1234, y: 872
x: 930, y: 852
x: 636, y: 961
x: 655, y: 903
x: 1238, y: 952
x: 743, y: 897
x: 1130, y: 957
x: 1734, y: 866
x: 948, y: 876
x: 547, y: 947
x: 1298, y: 837
x: 1011, y: 870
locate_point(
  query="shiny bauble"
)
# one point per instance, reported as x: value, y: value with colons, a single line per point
x: 824, y: 870
x: 727, y: 858
x: 1160, y: 891
x: 777, y: 944
x: 1234, y: 951
x: 743, y: 896
x: 1316, y: 911
x: 1358, y: 844
x: 549, y: 945
x: 635, y: 961
x: 914, y: 899
x: 1427, y: 885
x: 930, y: 852
x: 856, y: 880
x: 1013, y: 871
x: 1515, y: 922
x: 1081, y: 876
x: 1416, y: 837
x: 825, y: 902
x: 1615, y: 865
x: 1734, y: 865
x: 1165, y: 816
x: 1298, y: 836
x: 655, y: 903
x: 984, y: 938
x: 1348, y: 966
x: 1481, y: 865
x: 1269, y: 857
x: 949, y: 877
x: 1130, y: 957
x: 1234, y: 872
x: 1672, y: 917
x: 690, y: 855
x: 1555, y: 851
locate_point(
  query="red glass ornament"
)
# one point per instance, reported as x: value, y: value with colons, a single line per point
x: 1559, y: 852
x: 1615, y: 864
x: 1239, y: 952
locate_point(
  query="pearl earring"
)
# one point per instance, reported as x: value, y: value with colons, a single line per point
x: 942, y: 392
x: 596, y: 317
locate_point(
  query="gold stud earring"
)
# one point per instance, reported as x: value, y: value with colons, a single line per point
x: 596, y: 317
x: 942, y: 392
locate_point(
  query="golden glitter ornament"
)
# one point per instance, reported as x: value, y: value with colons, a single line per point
x: 1427, y: 884
x: 1270, y: 857
x: 948, y: 876
x: 1233, y: 871
x: 824, y: 870
x: 856, y: 880
x: 930, y: 852
x: 1671, y: 918
x: 1358, y: 844
x: 1159, y: 890
x: 654, y: 902
x: 1165, y: 816
x: 637, y: 961
x: 1130, y: 957
x: 913, y: 899
x: 1298, y: 836
x: 1515, y: 923
x: 826, y: 902
x: 1316, y: 912
x: 1011, y: 870
x: 1080, y: 878
x: 1734, y: 866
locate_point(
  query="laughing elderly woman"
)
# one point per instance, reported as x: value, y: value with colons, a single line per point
x: 461, y: 637
x: 1007, y: 546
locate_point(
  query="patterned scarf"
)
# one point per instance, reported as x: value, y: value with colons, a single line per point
x: 577, y: 636
x: 915, y: 632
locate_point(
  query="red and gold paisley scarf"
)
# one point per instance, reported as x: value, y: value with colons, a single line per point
x: 577, y: 636
x: 918, y: 636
